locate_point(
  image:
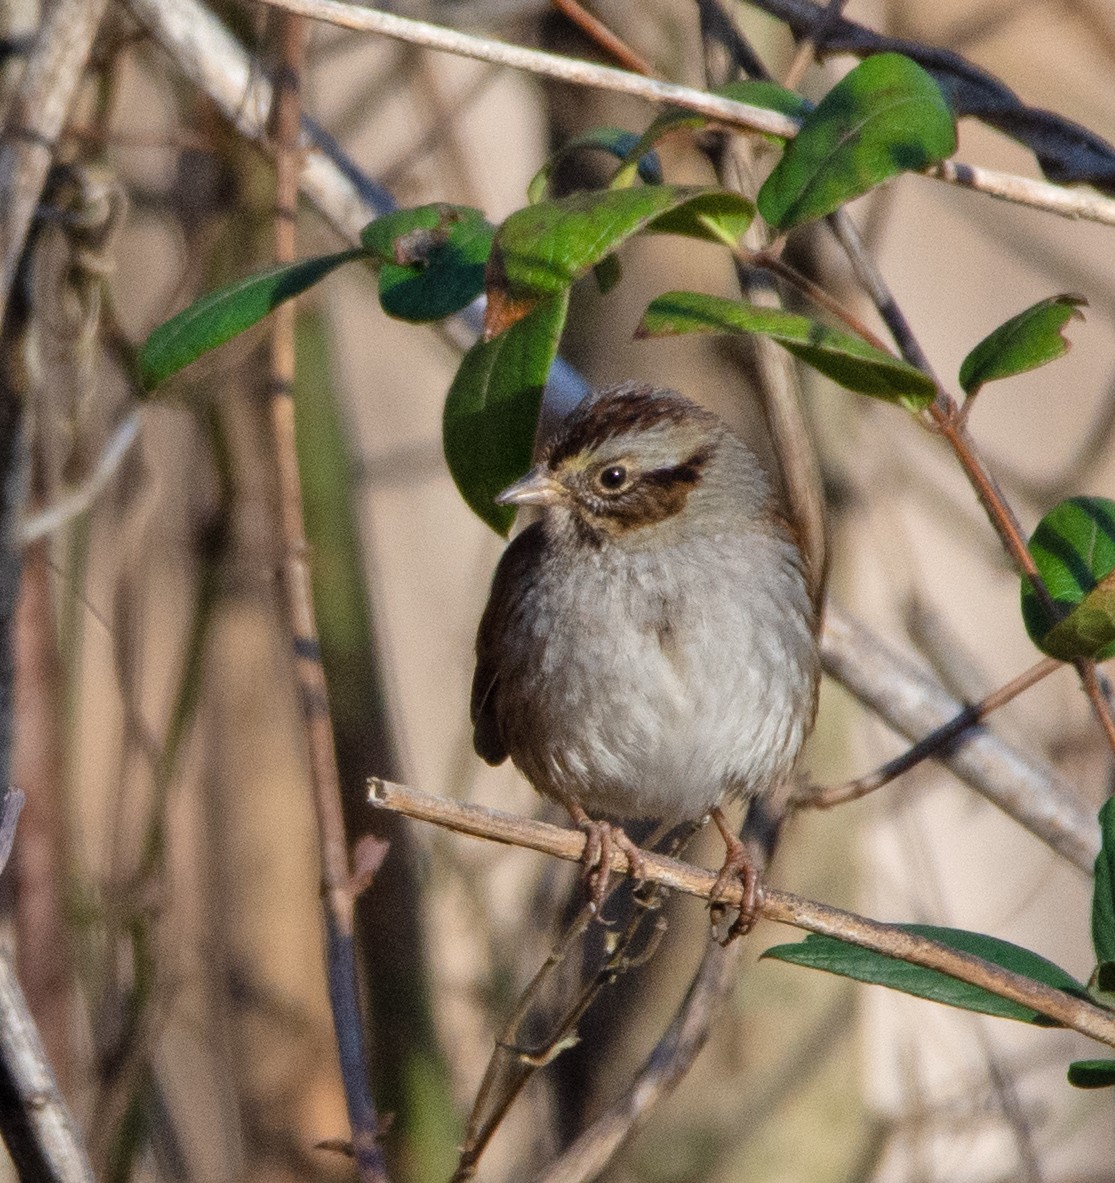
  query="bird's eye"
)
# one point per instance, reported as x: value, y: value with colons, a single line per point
x: 612, y: 478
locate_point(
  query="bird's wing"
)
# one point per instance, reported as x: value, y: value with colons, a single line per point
x: 512, y: 575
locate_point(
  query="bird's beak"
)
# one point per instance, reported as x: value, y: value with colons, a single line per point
x: 536, y: 488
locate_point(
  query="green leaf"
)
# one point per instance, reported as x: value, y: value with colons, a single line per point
x: 885, y: 117
x: 864, y: 965
x: 1026, y: 341
x: 1074, y: 549
x: 1103, y: 894
x: 221, y: 315
x: 615, y: 140
x: 492, y: 408
x: 542, y: 249
x: 1092, y: 1074
x: 846, y: 359
x: 432, y: 259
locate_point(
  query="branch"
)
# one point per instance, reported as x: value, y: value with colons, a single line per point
x: 914, y: 703
x: 671, y: 1059
x: 338, y: 897
x: 935, y: 744
x: 1039, y: 194
x: 37, y: 1126
x: 779, y: 906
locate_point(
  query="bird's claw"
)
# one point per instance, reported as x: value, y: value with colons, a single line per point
x: 737, y: 868
x: 601, y: 839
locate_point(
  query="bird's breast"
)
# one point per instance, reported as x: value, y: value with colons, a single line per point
x: 660, y: 685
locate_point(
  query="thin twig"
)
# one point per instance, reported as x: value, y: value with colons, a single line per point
x: 779, y: 906
x: 337, y: 895
x: 811, y: 44
x: 933, y: 744
x: 914, y: 703
x: 660, y: 1074
x: 594, y: 28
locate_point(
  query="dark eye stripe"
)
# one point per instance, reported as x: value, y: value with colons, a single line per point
x: 656, y: 495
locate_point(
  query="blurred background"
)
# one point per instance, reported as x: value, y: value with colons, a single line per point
x: 163, y: 897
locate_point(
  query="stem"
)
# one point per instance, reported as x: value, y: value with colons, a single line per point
x: 337, y: 895
x: 933, y: 744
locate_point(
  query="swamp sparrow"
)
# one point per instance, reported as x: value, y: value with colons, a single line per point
x: 649, y: 646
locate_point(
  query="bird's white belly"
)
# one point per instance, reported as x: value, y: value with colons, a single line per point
x: 669, y: 702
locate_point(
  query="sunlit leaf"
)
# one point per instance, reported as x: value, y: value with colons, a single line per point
x: 1026, y: 341
x: 223, y: 314
x: 1074, y: 550
x: 542, y: 249
x: 432, y: 259
x: 864, y: 965
x: 885, y: 117
x: 492, y: 408
x: 844, y: 358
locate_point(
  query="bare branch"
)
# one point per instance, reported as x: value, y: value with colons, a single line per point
x: 935, y: 744
x: 38, y: 1128
x: 779, y: 906
x: 914, y: 703
x: 309, y: 671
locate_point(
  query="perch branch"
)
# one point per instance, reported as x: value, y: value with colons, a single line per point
x: 779, y: 906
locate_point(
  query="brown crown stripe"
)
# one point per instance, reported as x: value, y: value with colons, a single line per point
x: 616, y: 414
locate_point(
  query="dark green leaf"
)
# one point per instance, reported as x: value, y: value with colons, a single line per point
x: 221, y: 315
x: 1105, y: 979
x: 886, y: 117
x: 845, y: 359
x: 1023, y: 343
x: 615, y: 140
x: 1074, y: 549
x: 542, y: 249
x: 1092, y: 1074
x: 608, y: 273
x: 850, y: 961
x: 492, y: 408
x: 432, y: 259
x: 1103, y: 896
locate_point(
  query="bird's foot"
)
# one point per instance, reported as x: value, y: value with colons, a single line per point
x: 601, y: 839
x: 737, y: 868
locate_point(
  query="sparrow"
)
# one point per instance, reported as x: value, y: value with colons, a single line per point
x: 649, y: 646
